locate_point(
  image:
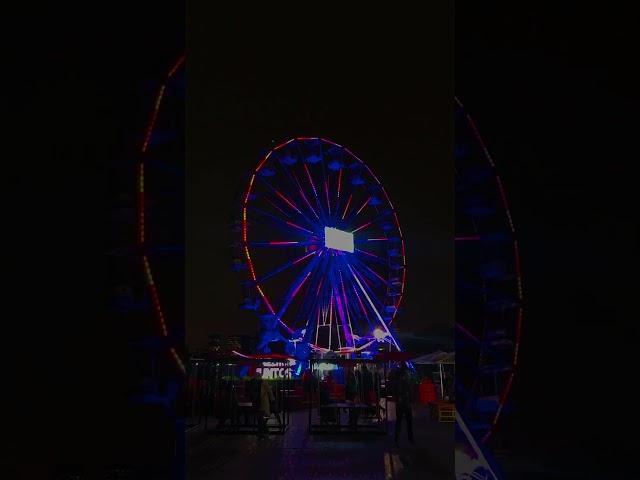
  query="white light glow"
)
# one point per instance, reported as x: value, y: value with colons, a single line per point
x: 338, y: 240
x: 379, y: 334
x: 325, y: 366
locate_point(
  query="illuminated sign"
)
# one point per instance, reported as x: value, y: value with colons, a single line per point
x: 275, y: 369
x: 338, y: 240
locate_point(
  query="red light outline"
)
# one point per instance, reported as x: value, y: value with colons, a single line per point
x: 141, y: 214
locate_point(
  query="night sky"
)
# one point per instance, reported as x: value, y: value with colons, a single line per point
x: 368, y: 92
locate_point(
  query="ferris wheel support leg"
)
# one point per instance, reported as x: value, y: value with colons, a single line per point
x: 384, y: 325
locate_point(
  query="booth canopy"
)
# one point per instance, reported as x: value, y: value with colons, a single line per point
x: 396, y: 356
x: 435, y: 358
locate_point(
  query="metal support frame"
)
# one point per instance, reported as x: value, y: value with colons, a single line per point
x: 366, y: 411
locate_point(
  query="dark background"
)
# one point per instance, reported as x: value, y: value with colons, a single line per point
x: 78, y: 96
x: 554, y: 92
x: 384, y: 93
x: 555, y: 97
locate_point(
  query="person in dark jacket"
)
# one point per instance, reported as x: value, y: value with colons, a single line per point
x: 403, y: 393
x: 227, y: 404
x: 307, y: 382
x: 354, y: 393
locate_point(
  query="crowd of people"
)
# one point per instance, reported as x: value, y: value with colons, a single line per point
x: 360, y: 385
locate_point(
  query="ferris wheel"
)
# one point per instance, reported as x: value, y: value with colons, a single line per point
x: 320, y: 249
x: 160, y: 208
x: 488, y: 284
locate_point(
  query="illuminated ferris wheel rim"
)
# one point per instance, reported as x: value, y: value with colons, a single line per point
x: 340, y: 242
x: 512, y: 230
x: 515, y: 253
x: 142, y: 191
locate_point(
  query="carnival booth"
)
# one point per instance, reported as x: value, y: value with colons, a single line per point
x: 437, y: 370
x: 346, y: 395
x: 439, y: 378
x: 236, y: 393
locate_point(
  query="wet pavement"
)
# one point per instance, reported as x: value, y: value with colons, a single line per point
x: 299, y: 455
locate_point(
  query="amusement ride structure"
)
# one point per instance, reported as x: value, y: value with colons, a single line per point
x: 320, y: 250
x: 488, y: 289
x: 160, y: 199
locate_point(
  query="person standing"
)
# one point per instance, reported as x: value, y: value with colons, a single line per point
x: 265, y: 400
x: 353, y: 394
x: 324, y: 400
x: 227, y: 405
x: 403, y: 393
x: 307, y: 382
